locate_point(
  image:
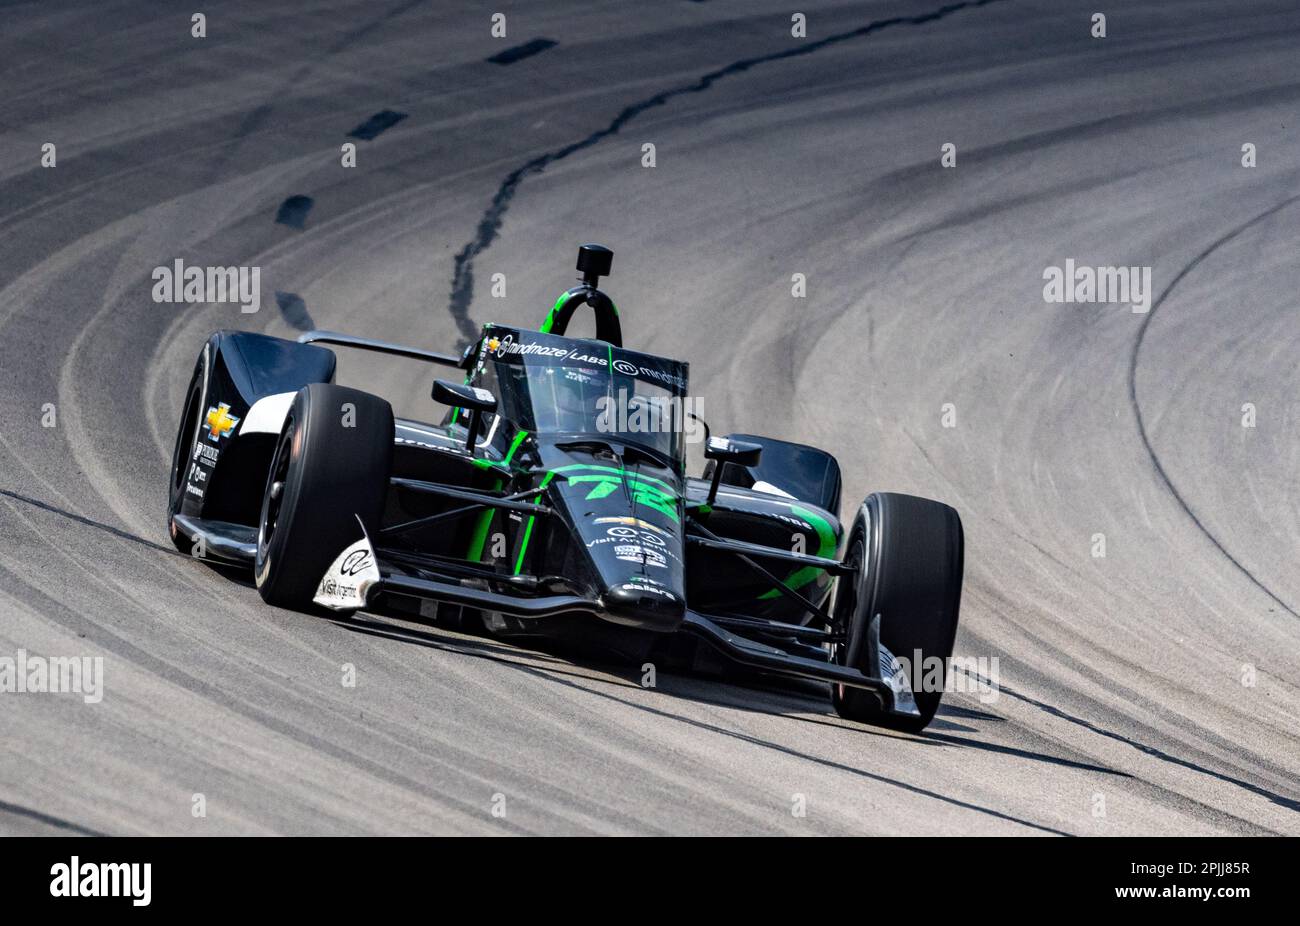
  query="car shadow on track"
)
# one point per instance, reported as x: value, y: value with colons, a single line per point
x: 795, y: 699
x: 798, y: 700
x: 559, y: 669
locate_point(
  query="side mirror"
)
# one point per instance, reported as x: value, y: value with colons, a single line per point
x: 723, y: 451
x: 474, y: 400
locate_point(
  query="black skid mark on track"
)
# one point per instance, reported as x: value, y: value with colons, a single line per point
x: 489, y: 226
x: 258, y: 117
x: 377, y: 124
x: 56, y: 822
x: 294, y: 311
x: 1137, y: 407
x: 520, y: 52
x: 293, y: 211
x: 272, y: 721
x: 88, y: 522
x: 1152, y: 751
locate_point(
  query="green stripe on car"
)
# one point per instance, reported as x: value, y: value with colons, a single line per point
x: 825, y: 549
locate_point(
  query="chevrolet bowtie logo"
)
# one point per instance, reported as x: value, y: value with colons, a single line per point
x: 220, y: 422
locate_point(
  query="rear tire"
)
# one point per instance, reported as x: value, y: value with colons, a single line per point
x: 910, y: 556
x: 331, y: 466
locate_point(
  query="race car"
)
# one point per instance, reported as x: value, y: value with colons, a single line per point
x: 553, y: 493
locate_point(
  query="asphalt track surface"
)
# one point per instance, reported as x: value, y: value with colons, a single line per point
x: 1122, y: 707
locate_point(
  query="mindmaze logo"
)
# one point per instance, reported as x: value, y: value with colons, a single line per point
x: 507, y: 348
x: 23, y: 673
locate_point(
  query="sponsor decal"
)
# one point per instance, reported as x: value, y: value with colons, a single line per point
x: 344, y: 595
x: 356, y: 562
x: 507, y: 348
x: 411, y: 442
x: 637, y: 553
x: 654, y: 374
x: 634, y: 546
x: 628, y: 532
x: 348, y: 580
x: 200, y: 466
x: 651, y: 589
x: 196, y: 478
x: 632, y: 522
x: 797, y: 522
x: 219, y: 422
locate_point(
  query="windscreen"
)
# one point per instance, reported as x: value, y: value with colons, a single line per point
x: 554, y: 385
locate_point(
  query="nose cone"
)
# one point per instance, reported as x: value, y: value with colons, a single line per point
x: 640, y: 604
x: 626, y: 521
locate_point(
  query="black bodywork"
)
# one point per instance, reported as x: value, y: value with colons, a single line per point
x: 524, y: 524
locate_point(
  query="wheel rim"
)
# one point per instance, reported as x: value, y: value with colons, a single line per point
x: 846, y: 601
x: 273, y: 495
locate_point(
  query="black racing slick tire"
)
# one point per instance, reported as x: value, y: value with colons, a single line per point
x: 331, y: 466
x: 187, y: 435
x: 909, y: 554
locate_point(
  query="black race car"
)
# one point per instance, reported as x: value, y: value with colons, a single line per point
x: 554, y: 494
